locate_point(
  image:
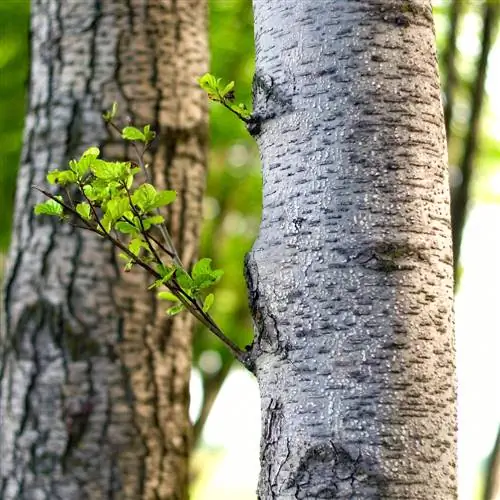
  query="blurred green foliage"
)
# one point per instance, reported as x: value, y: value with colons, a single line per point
x: 14, y: 22
x: 233, y: 200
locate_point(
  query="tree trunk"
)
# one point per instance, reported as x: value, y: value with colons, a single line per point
x: 351, y: 277
x: 94, y: 376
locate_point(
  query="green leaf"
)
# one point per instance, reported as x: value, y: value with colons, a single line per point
x: 109, y: 115
x: 136, y: 244
x: 144, y: 197
x: 130, y: 262
x: 203, y: 274
x: 108, y: 171
x: 133, y: 134
x: 184, y: 280
x: 83, y: 210
x: 117, y: 207
x: 82, y: 166
x: 228, y: 88
x: 151, y: 221
x: 207, y: 303
x: 203, y: 266
x: 148, y: 133
x: 164, y: 198
x: 165, y: 272
x: 208, y: 82
x: 49, y: 207
x: 125, y: 227
x: 62, y: 177
x: 167, y: 296
x: 175, y: 310
x: 92, y: 151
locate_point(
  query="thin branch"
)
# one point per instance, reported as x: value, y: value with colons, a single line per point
x: 159, y: 243
x: 239, y: 115
x: 450, y: 56
x: 143, y: 231
x: 461, y: 195
x: 190, y: 304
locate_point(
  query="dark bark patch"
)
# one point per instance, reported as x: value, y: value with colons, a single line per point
x: 328, y: 470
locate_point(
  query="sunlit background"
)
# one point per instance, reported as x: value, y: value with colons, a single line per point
x: 225, y: 400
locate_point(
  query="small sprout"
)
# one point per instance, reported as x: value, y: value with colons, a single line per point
x: 224, y: 94
x: 109, y: 115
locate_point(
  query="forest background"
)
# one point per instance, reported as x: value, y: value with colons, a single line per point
x: 225, y: 402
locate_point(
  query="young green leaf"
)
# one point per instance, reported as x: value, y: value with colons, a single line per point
x: 49, y: 207
x: 130, y: 262
x: 61, y: 177
x: 136, y: 244
x: 144, y: 197
x: 167, y: 296
x: 109, y: 115
x: 207, y: 303
x: 203, y: 266
x: 153, y: 220
x: 228, y: 89
x: 82, y: 166
x: 166, y: 275
x: 148, y: 133
x: 117, y: 207
x: 175, y: 310
x: 184, y: 280
x: 166, y: 272
x: 125, y: 227
x: 208, y: 82
x: 83, y: 210
x: 164, y: 198
x: 133, y: 134
x: 109, y: 171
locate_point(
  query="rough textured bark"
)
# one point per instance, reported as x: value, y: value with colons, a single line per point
x: 94, y: 377
x: 351, y: 277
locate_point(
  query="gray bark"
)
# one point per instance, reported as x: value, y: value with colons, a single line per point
x: 94, y: 376
x: 351, y: 277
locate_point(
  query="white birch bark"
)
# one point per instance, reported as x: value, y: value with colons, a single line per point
x: 351, y: 277
x: 94, y: 376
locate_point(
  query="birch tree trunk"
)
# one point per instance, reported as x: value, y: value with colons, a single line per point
x: 351, y: 277
x: 94, y: 377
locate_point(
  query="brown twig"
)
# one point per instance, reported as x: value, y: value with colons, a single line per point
x: 143, y: 231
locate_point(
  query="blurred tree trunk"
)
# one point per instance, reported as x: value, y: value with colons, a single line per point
x: 351, y: 277
x: 94, y: 376
x: 461, y: 193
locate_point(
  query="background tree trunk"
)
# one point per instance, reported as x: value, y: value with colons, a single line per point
x: 94, y: 376
x: 351, y: 277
